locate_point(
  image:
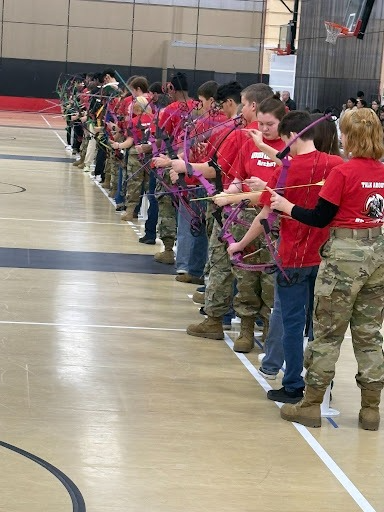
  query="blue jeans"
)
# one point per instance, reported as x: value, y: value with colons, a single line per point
x: 153, y: 209
x: 273, y: 347
x: 192, y: 251
x: 119, y: 197
x: 294, y: 299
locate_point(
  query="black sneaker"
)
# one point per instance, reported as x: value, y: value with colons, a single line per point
x: 121, y: 208
x: 148, y: 241
x: 287, y: 397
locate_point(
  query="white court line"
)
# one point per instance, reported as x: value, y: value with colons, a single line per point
x: 98, y: 326
x: 54, y: 131
x: 64, y: 221
x: 351, y: 489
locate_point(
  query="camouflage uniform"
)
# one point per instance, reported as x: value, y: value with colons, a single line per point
x: 112, y: 170
x: 167, y: 213
x: 349, y: 290
x: 255, y: 289
x: 219, y: 290
x: 135, y: 177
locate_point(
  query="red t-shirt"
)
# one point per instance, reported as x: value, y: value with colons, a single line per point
x: 172, y: 118
x: 139, y: 125
x: 253, y: 162
x: 299, y: 244
x: 357, y: 187
x: 204, y: 129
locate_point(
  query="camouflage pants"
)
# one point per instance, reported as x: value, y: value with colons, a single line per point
x: 255, y: 289
x: 219, y: 290
x: 83, y: 148
x: 135, y: 178
x: 167, y: 212
x: 112, y: 169
x: 349, y: 290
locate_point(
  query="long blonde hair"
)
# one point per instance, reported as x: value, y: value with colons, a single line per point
x: 363, y: 134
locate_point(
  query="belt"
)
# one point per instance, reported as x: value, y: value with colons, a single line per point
x: 357, y: 234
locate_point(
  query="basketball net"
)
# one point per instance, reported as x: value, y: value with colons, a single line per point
x: 334, y: 30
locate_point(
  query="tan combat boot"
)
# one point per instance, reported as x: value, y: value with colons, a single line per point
x: 369, y: 416
x: 211, y: 327
x: 307, y: 412
x: 128, y: 214
x: 112, y: 192
x: 78, y: 163
x: 167, y: 256
x: 246, y: 340
x: 107, y: 183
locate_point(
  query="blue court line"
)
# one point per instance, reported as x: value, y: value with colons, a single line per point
x: 37, y: 158
x: 85, y: 261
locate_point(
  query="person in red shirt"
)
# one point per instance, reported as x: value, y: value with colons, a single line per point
x: 350, y: 282
x: 219, y: 291
x: 299, y: 245
x: 136, y: 172
x: 251, y: 170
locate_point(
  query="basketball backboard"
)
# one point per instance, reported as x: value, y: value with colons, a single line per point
x: 285, y: 38
x: 357, y: 16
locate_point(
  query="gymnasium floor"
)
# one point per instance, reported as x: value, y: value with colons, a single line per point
x: 106, y: 404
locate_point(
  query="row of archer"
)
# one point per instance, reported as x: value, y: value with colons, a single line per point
x: 238, y: 161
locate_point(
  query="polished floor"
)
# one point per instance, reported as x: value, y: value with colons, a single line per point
x: 106, y: 404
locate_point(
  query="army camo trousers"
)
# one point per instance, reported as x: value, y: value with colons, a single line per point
x: 349, y: 291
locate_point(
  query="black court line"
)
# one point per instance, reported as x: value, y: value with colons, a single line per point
x: 78, y: 503
x: 37, y: 158
x: 87, y: 261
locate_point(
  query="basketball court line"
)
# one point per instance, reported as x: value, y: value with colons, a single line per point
x: 54, y: 131
x: 347, y: 484
x: 57, y: 221
x: 351, y: 489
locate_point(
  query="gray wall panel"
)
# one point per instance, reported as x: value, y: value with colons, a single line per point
x: 326, y: 74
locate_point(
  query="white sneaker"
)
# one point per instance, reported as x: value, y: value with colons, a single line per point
x: 68, y: 148
x: 86, y: 168
x: 260, y: 357
x: 268, y: 376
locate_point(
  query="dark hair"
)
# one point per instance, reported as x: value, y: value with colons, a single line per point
x: 295, y: 121
x: 360, y: 94
x: 272, y: 106
x: 156, y: 87
x: 109, y: 71
x: 257, y: 93
x: 363, y: 102
x: 179, y: 82
x: 230, y: 90
x: 208, y: 89
x: 139, y: 81
x: 161, y: 100
x: 353, y: 100
x: 325, y: 138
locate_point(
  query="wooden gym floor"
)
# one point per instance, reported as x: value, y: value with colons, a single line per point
x: 103, y: 396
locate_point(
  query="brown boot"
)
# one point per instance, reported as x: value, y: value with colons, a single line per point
x: 369, y: 416
x: 198, y: 297
x: 128, y: 214
x: 246, y: 341
x: 167, y: 256
x: 78, y: 163
x: 112, y: 192
x: 211, y: 327
x: 107, y: 183
x: 307, y: 412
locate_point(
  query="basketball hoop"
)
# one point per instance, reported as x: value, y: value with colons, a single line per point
x: 334, y: 30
